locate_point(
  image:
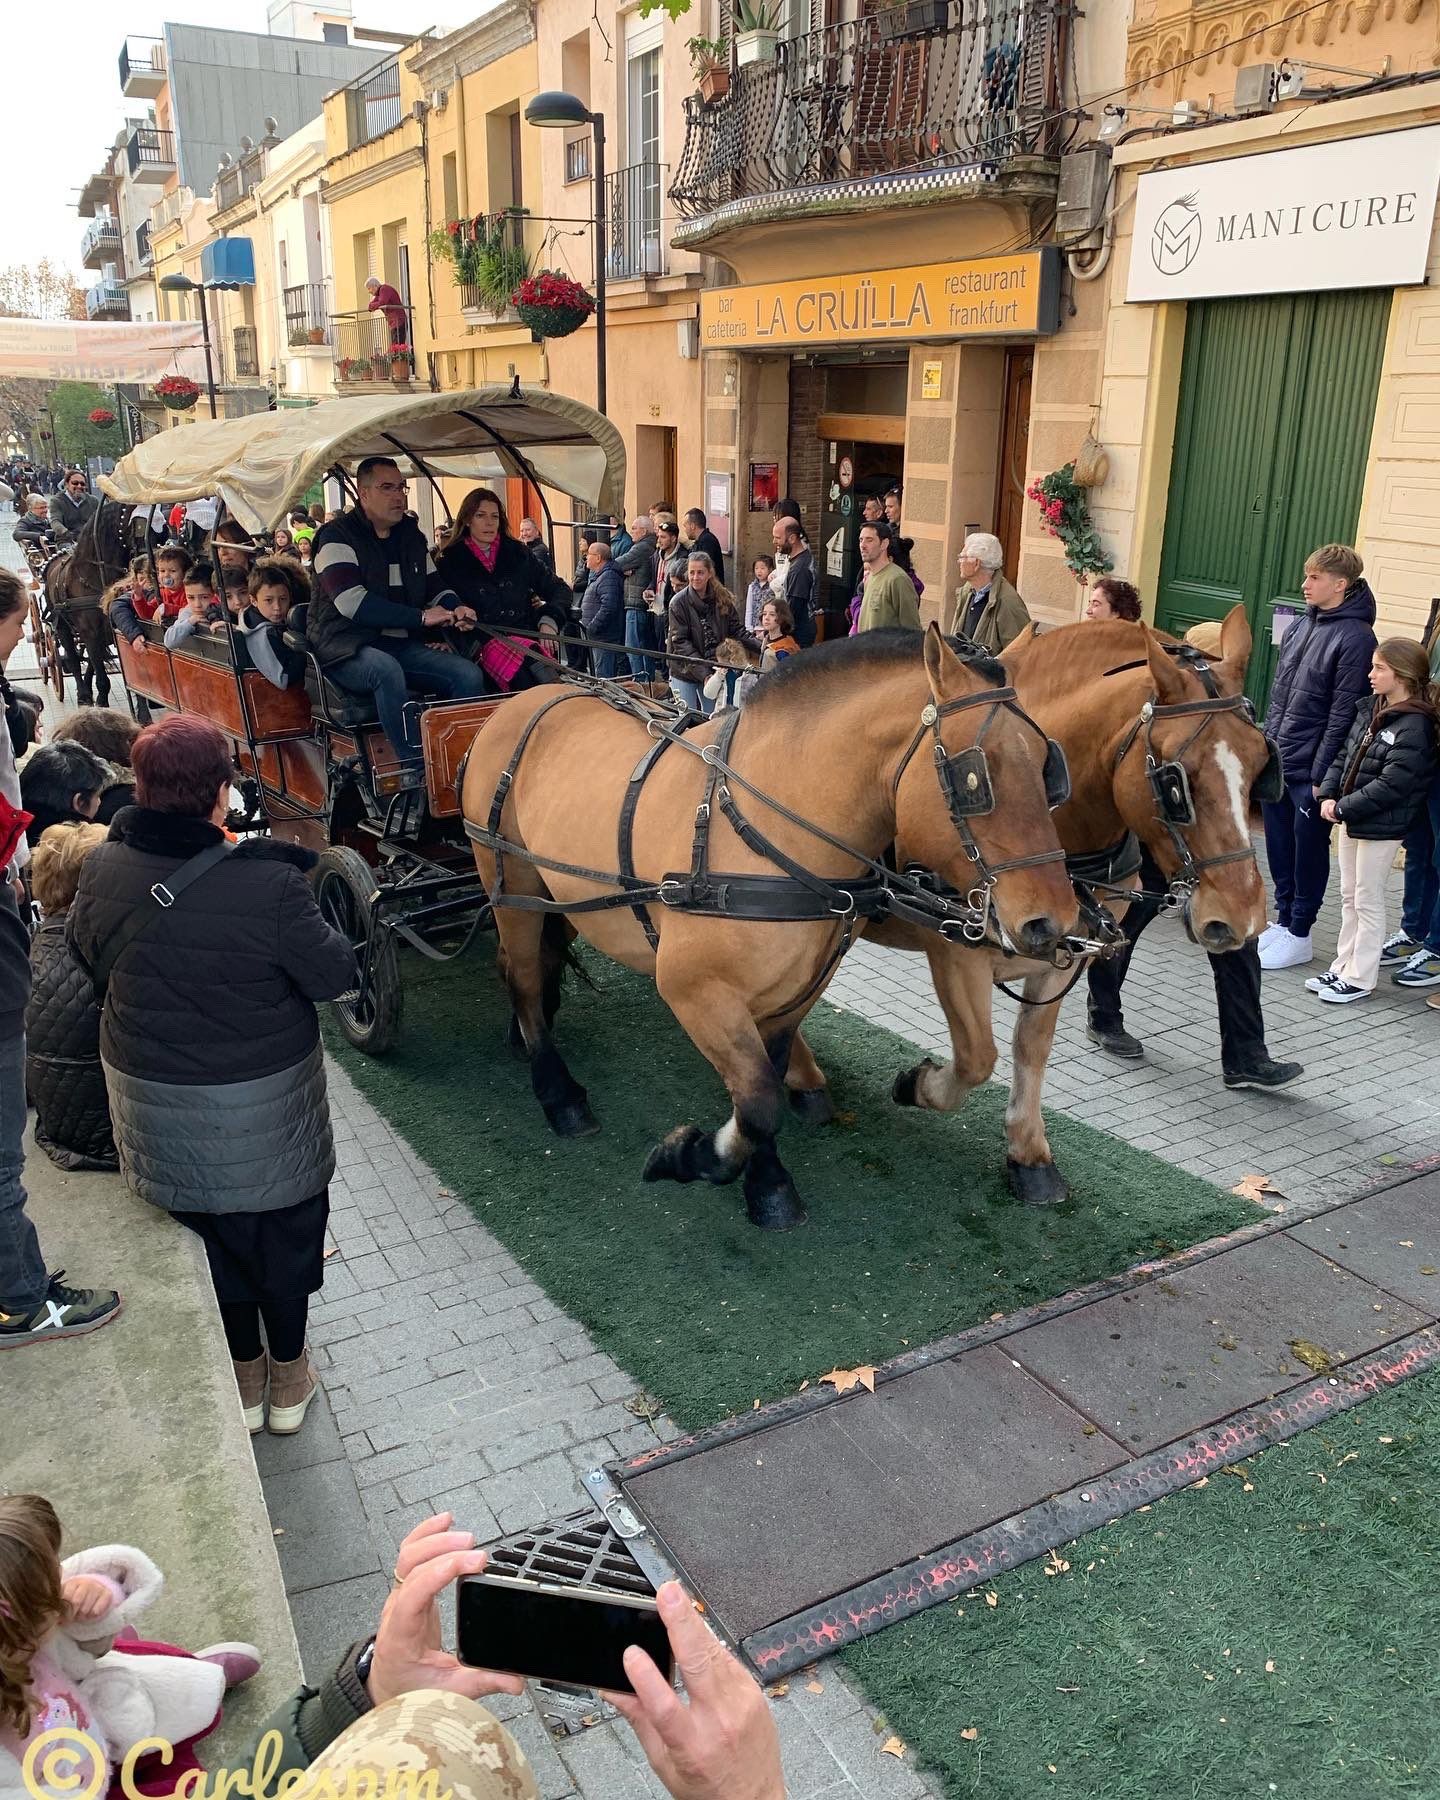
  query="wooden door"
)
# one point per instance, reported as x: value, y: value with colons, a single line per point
x: 1014, y: 455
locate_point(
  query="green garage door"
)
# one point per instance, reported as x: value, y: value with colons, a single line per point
x: 1277, y: 402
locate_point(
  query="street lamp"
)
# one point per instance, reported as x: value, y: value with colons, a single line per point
x: 182, y: 284
x: 561, y: 109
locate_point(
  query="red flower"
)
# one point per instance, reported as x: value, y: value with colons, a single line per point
x: 549, y: 289
x: 178, y: 385
x: 102, y: 416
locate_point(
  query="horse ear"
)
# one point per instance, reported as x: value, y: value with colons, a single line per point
x: 1236, y: 642
x: 1023, y: 641
x: 1165, y: 671
x: 946, y: 673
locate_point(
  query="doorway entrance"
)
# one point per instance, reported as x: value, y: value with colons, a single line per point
x: 855, y: 470
x: 1014, y: 455
x: 1277, y: 404
x: 655, y: 467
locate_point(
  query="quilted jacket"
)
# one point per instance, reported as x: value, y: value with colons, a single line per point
x: 62, y: 1056
x: 1381, y: 777
x: 208, y: 1035
x: 1323, y: 671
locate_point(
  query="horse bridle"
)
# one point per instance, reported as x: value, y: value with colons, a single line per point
x: 965, y: 783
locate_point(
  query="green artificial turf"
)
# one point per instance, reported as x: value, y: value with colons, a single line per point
x: 912, y: 1233
x: 1141, y: 1670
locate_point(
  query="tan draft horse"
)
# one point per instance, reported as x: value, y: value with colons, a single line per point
x: 854, y: 737
x: 1086, y: 685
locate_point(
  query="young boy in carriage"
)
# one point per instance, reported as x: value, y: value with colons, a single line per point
x: 202, y: 608
x: 276, y: 585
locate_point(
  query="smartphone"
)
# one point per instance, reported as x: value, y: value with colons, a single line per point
x: 573, y: 1635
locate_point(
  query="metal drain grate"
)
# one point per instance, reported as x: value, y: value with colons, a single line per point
x: 580, y: 1550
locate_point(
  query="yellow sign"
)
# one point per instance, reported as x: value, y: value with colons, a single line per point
x: 930, y: 380
x: 991, y: 296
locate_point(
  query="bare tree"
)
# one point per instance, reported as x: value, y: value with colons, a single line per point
x: 44, y: 291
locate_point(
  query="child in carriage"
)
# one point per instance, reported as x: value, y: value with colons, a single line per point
x: 276, y: 585
x: 202, y: 609
x: 172, y: 565
x: 132, y: 598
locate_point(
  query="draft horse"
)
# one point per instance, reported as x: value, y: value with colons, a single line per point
x: 917, y: 752
x: 73, y: 581
x: 1159, y: 750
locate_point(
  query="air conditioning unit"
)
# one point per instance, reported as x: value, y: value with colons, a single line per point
x: 440, y: 99
x: 1084, y: 183
x: 419, y: 110
x: 687, y: 336
x: 1255, y: 88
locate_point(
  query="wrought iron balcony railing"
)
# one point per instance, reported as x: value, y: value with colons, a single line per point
x: 577, y: 159
x: 494, y: 255
x: 150, y: 152
x: 107, y: 300
x: 634, y: 209
x: 244, y: 352
x: 142, y: 67
x: 372, y: 103
x: 307, y: 314
x: 372, y: 346
x: 933, y: 84
x: 100, y: 241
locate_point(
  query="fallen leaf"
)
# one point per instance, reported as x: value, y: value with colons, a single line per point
x: 803, y: 1386
x: 780, y: 1690
x: 1090, y: 1430
x: 1407, y: 1243
x: 1255, y: 1187
x: 1312, y: 1355
x: 895, y: 1747
x: 1270, y: 1667
x: 330, y: 1251
x: 1427, y: 1268
x: 1051, y: 1767
x: 1248, y: 1488
x: 279, y: 1531
x: 842, y: 1380
x: 992, y: 1599
x: 755, y: 1407
x: 814, y: 1687
x: 1387, y: 1440
x: 995, y: 1318
x: 970, y: 1733
x: 1055, y: 1564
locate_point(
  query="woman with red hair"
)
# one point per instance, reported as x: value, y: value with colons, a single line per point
x: 211, y: 958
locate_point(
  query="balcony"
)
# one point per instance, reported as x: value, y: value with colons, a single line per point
x: 634, y: 238
x: 365, y: 345
x: 107, y: 300
x: 946, y: 94
x: 244, y: 353
x: 577, y: 159
x: 143, y: 257
x: 492, y: 257
x: 150, y: 154
x: 100, y: 242
x: 165, y: 213
x: 307, y: 315
x: 142, y: 68
x: 372, y: 103
x: 235, y: 181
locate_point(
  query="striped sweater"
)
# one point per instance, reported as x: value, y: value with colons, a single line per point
x: 366, y: 588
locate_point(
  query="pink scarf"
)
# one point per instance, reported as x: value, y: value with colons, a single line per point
x: 487, y: 557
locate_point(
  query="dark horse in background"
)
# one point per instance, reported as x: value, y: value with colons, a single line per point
x: 73, y: 581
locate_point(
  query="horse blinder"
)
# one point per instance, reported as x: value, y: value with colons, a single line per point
x: 1171, y: 787
x: 1057, y: 775
x: 965, y: 779
x: 1270, y: 782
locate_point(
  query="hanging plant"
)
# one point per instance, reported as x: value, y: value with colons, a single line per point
x: 177, y: 392
x: 484, y: 254
x: 552, y: 305
x: 102, y: 417
x: 1065, y: 511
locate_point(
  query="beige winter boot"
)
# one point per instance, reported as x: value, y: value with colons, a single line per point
x: 292, y: 1388
x: 250, y: 1379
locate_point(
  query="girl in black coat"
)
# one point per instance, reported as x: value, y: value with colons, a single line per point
x: 503, y: 585
x: 1374, y: 789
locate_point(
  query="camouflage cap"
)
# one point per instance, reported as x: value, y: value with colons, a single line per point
x: 429, y: 1745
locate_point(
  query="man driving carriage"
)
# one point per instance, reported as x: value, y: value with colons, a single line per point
x: 72, y: 505
x: 376, y: 597
x: 35, y: 527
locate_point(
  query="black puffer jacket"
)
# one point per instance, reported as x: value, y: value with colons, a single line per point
x: 504, y: 596
x: 1381, y: 778
x: 697, y: 627
x: 209, y: 1036
x: 1323, y: 670
x: 62, y: 1056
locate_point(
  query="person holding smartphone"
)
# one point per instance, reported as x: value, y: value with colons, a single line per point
x: 401, y: 1692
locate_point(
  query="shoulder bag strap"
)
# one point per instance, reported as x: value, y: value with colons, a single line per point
x: 165, y: 894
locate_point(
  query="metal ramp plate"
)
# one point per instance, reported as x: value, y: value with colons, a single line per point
x: 821, y: 1517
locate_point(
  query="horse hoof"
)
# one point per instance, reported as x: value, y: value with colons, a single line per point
x: 673, y: 1159
x: 906, y: 1091
x: 775, y: 1208
x: 571, y: 1119
x: 1036, y: 1184
x: 812, y: 1106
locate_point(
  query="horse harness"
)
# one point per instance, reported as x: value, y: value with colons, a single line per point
x: 798, y: 894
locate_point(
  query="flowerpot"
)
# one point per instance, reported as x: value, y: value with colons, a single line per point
x: 714, y: 85
x: 317, y: 334
x: 399, y: 372
x: 179, y: 402
x: 552, y: 321
x: 755, y: 47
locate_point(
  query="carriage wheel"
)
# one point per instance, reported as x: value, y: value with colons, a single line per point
x: 344, y: 888
x: 56, y: 669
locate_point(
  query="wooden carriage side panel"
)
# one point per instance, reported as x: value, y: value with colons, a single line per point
x: 302, y: 763
x: 207, y: 687
x: 148, y: 674
x: 446, y: 733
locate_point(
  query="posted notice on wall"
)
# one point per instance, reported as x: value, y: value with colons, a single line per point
x: 1350, y: 214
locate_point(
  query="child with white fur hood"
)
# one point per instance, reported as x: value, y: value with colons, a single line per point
x: 61, y: 1669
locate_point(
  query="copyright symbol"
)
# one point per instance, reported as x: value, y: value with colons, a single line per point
x: 65, y: 1761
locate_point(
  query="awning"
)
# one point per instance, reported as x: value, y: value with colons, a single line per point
x: 261, y: 466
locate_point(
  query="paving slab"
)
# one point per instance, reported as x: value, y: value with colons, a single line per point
x: 1391, y: 1239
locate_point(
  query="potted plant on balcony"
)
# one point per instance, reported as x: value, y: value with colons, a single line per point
x: 177, y: 392
x: 345, y: 368
x: 757, y: 31
x: 552, y: 305
x: 917, y: 18
x: 712, y: 73
x: 297, y: 337
x: 316, y: 334
x: 401, y: 362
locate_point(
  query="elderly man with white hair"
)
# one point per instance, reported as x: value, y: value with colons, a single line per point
x: 638, y: 566
x: 988, y: 610
x: 385, y: 299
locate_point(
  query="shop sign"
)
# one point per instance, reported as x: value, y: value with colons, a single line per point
x: 988, y: 297
x: 931, y: 380
x: 1355, y: 213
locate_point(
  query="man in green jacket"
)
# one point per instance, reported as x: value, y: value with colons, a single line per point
x: 988, y: 610
x: 889, y: 597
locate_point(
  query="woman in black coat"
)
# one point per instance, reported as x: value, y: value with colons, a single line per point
x: 495, y: 575
x: 62, y: 1021
x: 1374, y: 790
x: 211, y: 1046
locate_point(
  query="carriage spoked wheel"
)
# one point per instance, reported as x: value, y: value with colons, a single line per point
x: 345, y: 891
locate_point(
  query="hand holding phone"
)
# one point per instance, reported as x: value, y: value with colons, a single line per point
x: 575, y: 1635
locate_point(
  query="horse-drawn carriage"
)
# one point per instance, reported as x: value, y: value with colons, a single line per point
x: 313, y: 763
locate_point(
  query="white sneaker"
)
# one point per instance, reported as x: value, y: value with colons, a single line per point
x: 1269, y: 934
x: 1286, y: 951
x: 1318, y: 983
x: 1341, y: 993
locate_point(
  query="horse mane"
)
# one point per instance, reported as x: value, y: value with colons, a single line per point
x: 895, y: 647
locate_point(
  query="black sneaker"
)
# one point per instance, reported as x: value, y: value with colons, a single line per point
x: 1265, y: 1074
x: 64, y: 1312
x: 1115, y: 1040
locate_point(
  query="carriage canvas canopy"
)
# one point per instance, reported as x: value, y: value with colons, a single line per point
x: 262, y: 465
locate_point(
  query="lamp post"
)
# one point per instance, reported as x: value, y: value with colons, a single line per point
x: 561, y: 109
x: 182, y: 284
